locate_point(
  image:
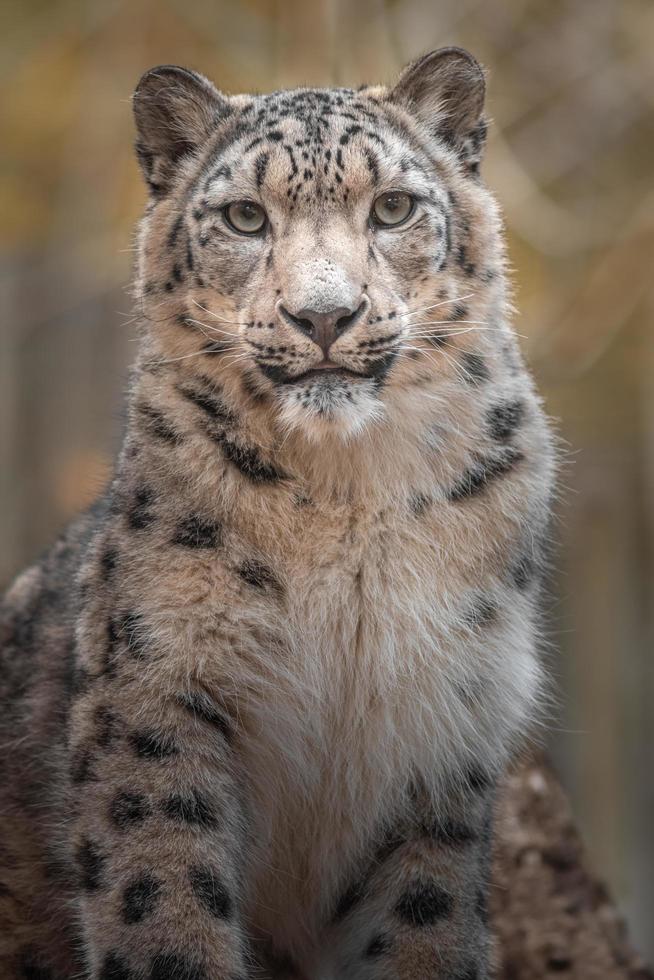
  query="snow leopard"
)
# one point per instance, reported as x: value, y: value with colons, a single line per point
x: 257, y: 699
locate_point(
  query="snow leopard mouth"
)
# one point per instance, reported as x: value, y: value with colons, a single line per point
x: 330, y: 372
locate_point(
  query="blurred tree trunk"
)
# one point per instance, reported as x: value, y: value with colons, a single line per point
x: 551, y: 916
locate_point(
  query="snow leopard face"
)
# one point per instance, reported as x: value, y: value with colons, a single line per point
x: 326, y: 246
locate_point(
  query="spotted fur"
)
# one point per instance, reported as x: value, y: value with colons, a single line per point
x: 255, y: 702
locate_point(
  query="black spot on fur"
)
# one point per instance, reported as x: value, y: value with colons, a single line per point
x: 378, y: 946
x: 115, y: 968
x: 458, y: 312
x: 463, y: 261
x: 483, y: 472
x: 419, y: 502
x: 475, y: 368
x: 423, y: 904
x: 558, y: 962
x: 129, y: 629
x: 106, y: 726
x: 211, y: 892
x: 197, y: 532
x: 523, y: 571
x: 108, y: 562
x: 78, y: 679
x: 127, y: 809
x: 81, y: 770
x: 191, y: 808
x: 482, y: 613
x: 503, y: 420
x: 202, y: 706
x: 349, y: 899
x: 31, y: 968
x: 481, y: 906
x: 140, y: 898
x: 437, y: 339
x: 139, y: 515
x: 150, y: 744
x: 452, y: 833
x: 468, y: 972
x: 259, y: 575
x: 90, y: 863
x: 477, y: 779
x: 174, y: 966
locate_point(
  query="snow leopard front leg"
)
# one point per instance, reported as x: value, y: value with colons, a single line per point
x: 157, y: 835
x: 418, y: 910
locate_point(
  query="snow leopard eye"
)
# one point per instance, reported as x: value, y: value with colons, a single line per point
x: 246, y: 217
x: 392, y: 208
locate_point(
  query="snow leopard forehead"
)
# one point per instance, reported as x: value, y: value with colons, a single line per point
x: 323, y: 144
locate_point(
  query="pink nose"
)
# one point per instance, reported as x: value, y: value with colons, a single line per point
x: 324, y: 328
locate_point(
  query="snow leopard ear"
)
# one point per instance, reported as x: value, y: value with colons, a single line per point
x: 175, y: 110
x: 445, y: 90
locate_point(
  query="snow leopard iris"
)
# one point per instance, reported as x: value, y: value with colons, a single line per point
x: 257, y: 699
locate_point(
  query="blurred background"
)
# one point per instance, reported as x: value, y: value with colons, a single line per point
x: 571, y: 159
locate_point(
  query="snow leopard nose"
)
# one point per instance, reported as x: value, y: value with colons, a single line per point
x: 324, y: 327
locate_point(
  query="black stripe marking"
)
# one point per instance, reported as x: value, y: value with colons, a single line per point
x: 259, y: 575
x: 373, y: 165
x: 202, y: 707
x: 475, y: 367
x: 260, y: 167
x: 484, y: 471
x: 248, y: 461
x: 139, y: 515
x: 209, y: 402
x: 157, y: 425
x: 174, y: 231
x: 150, y: 744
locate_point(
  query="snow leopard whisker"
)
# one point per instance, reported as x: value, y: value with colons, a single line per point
x: 445, y: 302
x: 222, y: 319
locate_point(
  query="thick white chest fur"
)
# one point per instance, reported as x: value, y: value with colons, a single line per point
x: 375, y: 677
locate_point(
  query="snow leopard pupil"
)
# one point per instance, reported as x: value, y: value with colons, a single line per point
x: 246, y: 217
x: 392, y: 208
